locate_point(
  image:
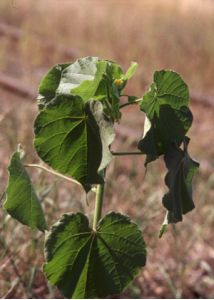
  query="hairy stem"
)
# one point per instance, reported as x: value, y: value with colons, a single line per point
x: 126, y: 153
x: 98, y: 205
x: 52, y: 172
x: 130, y: 103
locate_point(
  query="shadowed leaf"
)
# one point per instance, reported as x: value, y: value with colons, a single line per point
x: 170, y: 126
x: 181, y: 169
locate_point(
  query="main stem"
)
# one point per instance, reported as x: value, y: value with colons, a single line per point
x: 98, y: 205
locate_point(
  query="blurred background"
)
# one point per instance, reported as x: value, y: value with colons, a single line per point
x: 157, y: 34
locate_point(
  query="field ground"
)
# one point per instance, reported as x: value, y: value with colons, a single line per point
x: 157, y: 34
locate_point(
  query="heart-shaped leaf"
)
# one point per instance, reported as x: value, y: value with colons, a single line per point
x: 181, y: 169
x: 21, y: 201
x: 93, y: 264
x: 73, y: 138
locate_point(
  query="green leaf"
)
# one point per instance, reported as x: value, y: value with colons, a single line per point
x: 73, y: 138
x: 88, y: 264
x: 131, y: 71
x: 168, y: 117
x: 181, y: 169
x: 21, y: 201
x: 168, y: 88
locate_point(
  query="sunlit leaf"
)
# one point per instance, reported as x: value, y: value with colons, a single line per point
x: 89, y: 78
x: 82, y: 78
x: 168, y: 88
x: 73, y: 138
x: 21, y: 201
x: 93, y: 264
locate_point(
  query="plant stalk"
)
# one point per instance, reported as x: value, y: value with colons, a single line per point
x: 51, y: 172
x: 98, y: 205
x: 130, y: 103
x: 126, y: 153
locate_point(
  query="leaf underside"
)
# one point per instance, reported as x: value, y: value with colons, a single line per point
x: 88, y: 264
x: 181, y: 169
x: 88, y: 78
x: 21, y: 201
x: 80, y: 78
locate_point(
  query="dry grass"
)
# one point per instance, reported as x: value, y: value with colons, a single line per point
x: 157, y: 34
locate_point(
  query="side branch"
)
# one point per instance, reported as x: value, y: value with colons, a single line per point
x: 126, y: 153
x: 130, y: 103
x: 52, y: 172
